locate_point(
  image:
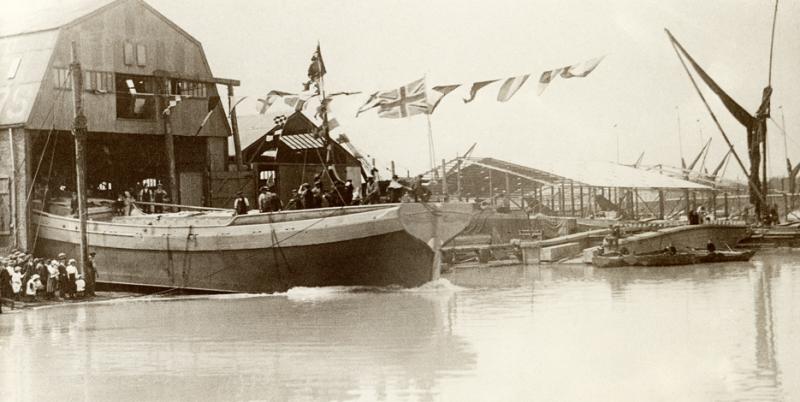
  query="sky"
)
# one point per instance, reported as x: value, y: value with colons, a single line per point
x: 631, y: 103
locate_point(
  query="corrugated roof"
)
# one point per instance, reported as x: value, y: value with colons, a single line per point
x: 302, y: 141
x: 39, y: 15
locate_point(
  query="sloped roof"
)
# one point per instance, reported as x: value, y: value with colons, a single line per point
x: 28, y: 55
x: 40, y: 15
x: 595, y: 174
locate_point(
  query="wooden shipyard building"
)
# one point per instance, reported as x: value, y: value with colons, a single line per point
x: 134, y: 61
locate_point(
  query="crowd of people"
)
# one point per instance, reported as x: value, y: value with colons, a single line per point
x: 343, y: 193
x: 24, y: 277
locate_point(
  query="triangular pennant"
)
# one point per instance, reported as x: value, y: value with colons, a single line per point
x: 477, y: 87
x: 443, y: 91
x: 510, y: 87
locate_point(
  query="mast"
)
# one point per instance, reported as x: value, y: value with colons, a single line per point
x: 765, y: 182
x: 79, y: 131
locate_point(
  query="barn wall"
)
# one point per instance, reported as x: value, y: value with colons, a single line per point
x: 14, y: 216
x: 101, y: 39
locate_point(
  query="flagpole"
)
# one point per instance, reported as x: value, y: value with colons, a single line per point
x: 431, y: 151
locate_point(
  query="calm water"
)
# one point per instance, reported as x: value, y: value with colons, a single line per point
x: 713, y: 332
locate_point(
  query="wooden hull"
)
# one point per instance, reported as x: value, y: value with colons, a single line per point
x: 727, y: 256
x: 661, y: 260
x: 665, y: 259
x: 608, y: 261
x: 354, y: 246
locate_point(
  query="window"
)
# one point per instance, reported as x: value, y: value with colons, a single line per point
x: 135, y: 97
x: 149, y: 183
x: 128, y: 56
x: 93, y: 81
x: 62, y: 78
x: 98, y: 81
x: 191, y: 89
x: 14, y: 67
x: 141, y: 55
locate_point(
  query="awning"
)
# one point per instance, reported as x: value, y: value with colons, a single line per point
x: 302, y: 141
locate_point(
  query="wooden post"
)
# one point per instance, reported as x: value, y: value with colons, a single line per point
x: 661, y: 205
x: 237, y: 143
x: 79, y: 131
x: 444, y: 178
x: 458, y: 179
x: 491, y: 189
x: 725, y: 198
x: 687, y: 195
x: 169, y: 148
x: 635, y: 204
x: 14, y: 221
x: 552, y: 198
x: 393, y: 168
x: 541, y: 196
x: 572, y: 197
x: 562, y: 200
x: 580, y: 196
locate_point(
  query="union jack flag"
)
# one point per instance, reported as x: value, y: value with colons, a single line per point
x: 405, y: 101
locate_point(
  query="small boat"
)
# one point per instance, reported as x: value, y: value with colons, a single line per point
x: 661, y: 259
x: 664, y: 259
x: 612, y: 260
x: 726, y: 256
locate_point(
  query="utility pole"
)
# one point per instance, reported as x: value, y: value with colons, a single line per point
x: 237, y: 143
x: 169, y: 146
x: 79, y: 131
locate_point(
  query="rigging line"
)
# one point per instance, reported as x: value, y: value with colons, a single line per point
x: 39, y: 165
x: 49, y: 114
x: 46, y: 191
x: 772, y: 42
x: 757, y: 191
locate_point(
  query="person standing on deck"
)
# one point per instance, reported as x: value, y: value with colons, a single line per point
x: 294, y: 201
x: 373, y: 194
x: 263, y: 199
x: 306, y: 196
x: 73, y: 204
x: 127, y: 201
x: 395, y: 189
x: 146, y: 195
x: 317, y: 194
x: 417, y: 189
x: 160, y: 196
x: 347, y: 195
x: 241, y: 205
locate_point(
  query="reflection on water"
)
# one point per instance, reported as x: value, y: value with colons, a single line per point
x: 704, y: 332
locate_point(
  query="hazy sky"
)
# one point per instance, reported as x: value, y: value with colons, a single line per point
x: 639, y: 87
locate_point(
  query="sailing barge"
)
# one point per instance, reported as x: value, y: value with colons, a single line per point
x: 371, y: 245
